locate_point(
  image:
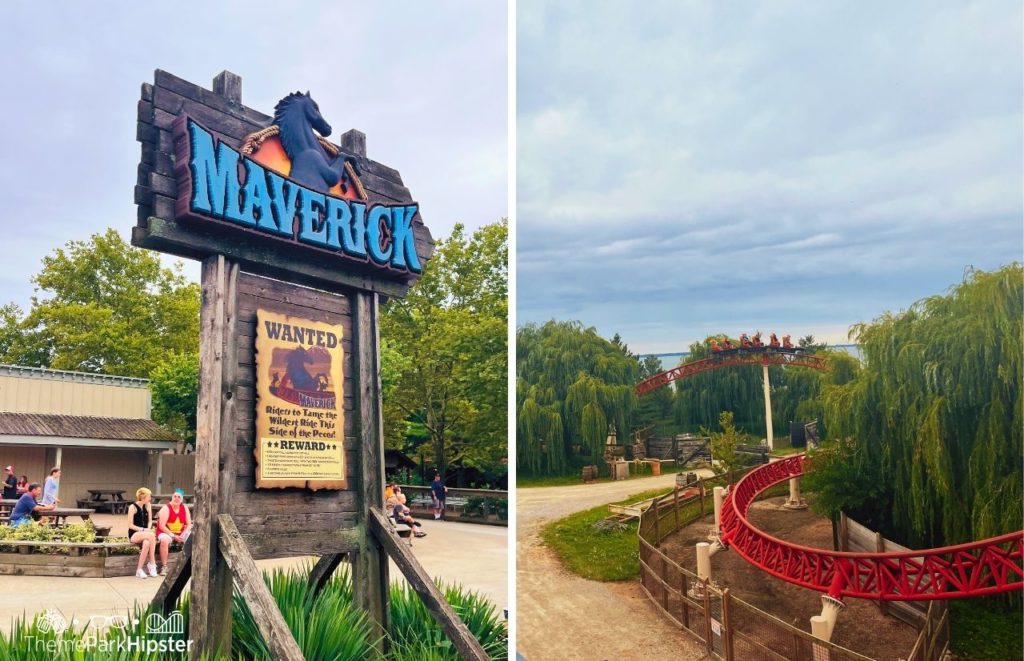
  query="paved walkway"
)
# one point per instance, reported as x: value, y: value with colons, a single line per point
x: 563, y: 616
x: 474, y: 555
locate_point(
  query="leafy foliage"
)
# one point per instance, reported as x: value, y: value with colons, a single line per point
x: 723, y: 444
x: 446, y: 345
x: 936, y: 415
x: 174, y: 385
x: 110, y: 309
x: 571, y: 384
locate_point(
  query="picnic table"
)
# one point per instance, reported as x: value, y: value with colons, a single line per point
x: 60, y: 514
x: 97, y: 500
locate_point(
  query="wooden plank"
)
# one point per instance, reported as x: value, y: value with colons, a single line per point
x: 323, y: 570
x: 52, y: 560
x: 265, y: 613
x: 166, y: 235
x: 210, y: 627
x: 456, y: 630
x: 370, y: 571
x: 283, y: 524
x: 298, y: 544
x: 7, y: 569
x: 167, y: 595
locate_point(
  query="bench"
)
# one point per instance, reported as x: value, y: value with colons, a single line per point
x: 403, y: 530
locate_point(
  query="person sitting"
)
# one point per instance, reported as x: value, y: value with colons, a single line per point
x: 744, y: 341
x: 401, y: 514
x: 28, y: 505
x: 786, y: 342
x: 757, y: 339
x: 140, y: 527
x: 774, y: 343
x: 173, y: 524
x: 714, y: 346
x: 22, y: 485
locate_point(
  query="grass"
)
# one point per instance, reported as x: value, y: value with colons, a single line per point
x: 984, y: 629
x: 593, y: 553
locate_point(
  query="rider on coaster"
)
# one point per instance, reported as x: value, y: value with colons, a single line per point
x: 786, y: 343
x: 745, y: 341
x: 714, y: 346
x: 757, y: 340
x: 774, y: 343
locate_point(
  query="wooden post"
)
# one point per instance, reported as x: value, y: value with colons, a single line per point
x: 171, y: 587
x: 726, y: 627
x: 456, y: 630
x: 844, y: 532
x: 322, y: 571
x: 675, y: 506
x: 682, y: 600
x: 883, y: 605
x: 370, y: 569
x: 708, y: 633
x: 210, y: 617
x: 265, y: 613
x: 657, y: 524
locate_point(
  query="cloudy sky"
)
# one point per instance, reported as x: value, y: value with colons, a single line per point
x: 427, y: 83
x: 687, y: 168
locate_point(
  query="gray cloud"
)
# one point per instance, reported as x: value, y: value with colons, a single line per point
x: 693, y: 168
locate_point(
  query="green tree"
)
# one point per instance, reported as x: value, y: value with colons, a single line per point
x: 103, y: 306
x: 571, y: 384
x: 447, y: 347
x: 723, y: 444
x: 175, y: 388
x: 936, y: 416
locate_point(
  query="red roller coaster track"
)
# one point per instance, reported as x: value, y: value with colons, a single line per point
x: 979, y: 568
x: 760, y: 357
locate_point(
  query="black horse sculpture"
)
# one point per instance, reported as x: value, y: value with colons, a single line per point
x: 296, y: 116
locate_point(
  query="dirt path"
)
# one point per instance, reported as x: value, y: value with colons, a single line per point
x: 563, y: 616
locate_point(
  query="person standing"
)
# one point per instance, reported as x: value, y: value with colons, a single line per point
x: 22, y: 485
x: 51, y: 487
x: 10, y: 483
x: 438, y: 493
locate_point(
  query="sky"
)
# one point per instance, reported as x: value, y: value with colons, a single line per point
x: 426, y: 83
x: 693, y: 168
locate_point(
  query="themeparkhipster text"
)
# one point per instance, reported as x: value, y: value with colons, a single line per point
x: 267, y: 202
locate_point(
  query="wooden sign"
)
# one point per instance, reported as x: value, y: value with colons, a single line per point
x: 300, y: 418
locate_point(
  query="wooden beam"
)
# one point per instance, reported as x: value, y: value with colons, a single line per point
x: 254, y: 590
x: 456, y: 630
x: 292, y: 264
x: 370, y: 571
x: 210, y: 619
x: 174, y: 583
x: 278, y: 545
x: 323, y: 570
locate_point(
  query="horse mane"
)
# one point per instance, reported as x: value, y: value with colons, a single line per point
x: 282, y: 116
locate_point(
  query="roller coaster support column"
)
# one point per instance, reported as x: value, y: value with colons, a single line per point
x: 768, y: 408
x: 796, y: 501
x: 704, y: 553
x: 719, y: 499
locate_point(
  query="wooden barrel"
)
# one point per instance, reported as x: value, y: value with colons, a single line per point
x: 589, y: 473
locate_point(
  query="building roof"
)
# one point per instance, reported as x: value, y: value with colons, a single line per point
x: 88, y: 431
x: 66, y: 375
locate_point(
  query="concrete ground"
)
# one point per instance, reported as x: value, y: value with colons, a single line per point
x: 471, y: 554
x: 562, y: 616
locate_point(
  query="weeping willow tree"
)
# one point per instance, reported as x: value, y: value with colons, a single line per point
x: 700, y: 399
x: 571, y: 385
x: 936, y: 414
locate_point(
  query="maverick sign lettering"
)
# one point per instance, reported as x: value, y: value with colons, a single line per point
x: 217, y: 183
x: 300, y: 418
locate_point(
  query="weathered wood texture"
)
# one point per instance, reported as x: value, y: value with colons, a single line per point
x: 166, y: 597
x: 370, y: 569
x: 266, y: 615
x: 323, y: 570
x: 291, y: 521
x: 456, y: 630
x: 210, y: 626
x: 156, y: 189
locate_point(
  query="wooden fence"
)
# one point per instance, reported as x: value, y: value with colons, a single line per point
x: 931, y: 618
x: 729, y: 627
